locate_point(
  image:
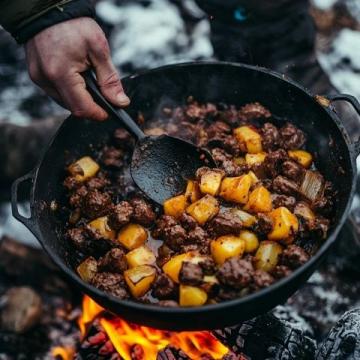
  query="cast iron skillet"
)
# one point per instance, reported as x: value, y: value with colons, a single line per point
x: 214, y: 82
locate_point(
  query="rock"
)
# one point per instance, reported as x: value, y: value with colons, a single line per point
x: 343, y: 341
x: 22, y: 309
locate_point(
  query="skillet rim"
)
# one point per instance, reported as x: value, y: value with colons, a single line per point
x: 150, y: 308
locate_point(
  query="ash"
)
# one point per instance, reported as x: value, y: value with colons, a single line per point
x: 145, y: 36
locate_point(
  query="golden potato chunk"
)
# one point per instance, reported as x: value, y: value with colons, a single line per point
x: 303, y: 210
x: 83, y: 168
x: 192, y: 192
x: 210, y: 181
x: 175, y: 206
x: 236, y: 189
x: 101, y: 226
x: 285, y: 225
x: 191, y: 296
x: 254, y: 159
x: 259, y: 200
x: 251, y: 240
x: 87, y: 269
x: 247, y: 219
x: 267, y: 255
x: 304, y: 158
x: 132, y: 236
x: 139, y: 279
x: 254, y: 178
x: 173, y: 266
x: 249, y: 138
x: 204, y: 209
x: 140, y: 256
x: 226, y: 247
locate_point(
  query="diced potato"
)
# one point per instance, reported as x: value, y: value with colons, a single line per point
x: 236, y: 189
x: 250, y: 138
x: 239, y: 160
x: 87, y: 269
x: 192, y: 192
x: 139, y: 279
x: 303, y: 210
x: 285, y: 225
x: 247, y: 219
x: 226, y: 247
x: 259, y: 200
x: 251, y: 240
x: 140, y: 256
x: 83, y: 168
x: 210, y: 182
x: 254, y: 159
x: 175, y: 206
x: 101, y: 226
x: 132, y: 236
x: 173, y: 266
x: 191, y: 296
x: 254, y: 178
x: 267, y: 255
x: 304, y: 158
x: 204, y: 209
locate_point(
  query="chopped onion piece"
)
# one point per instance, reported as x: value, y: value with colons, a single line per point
x: 312, y: 186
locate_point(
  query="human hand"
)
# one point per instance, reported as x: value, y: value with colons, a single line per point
x: 58, y: 55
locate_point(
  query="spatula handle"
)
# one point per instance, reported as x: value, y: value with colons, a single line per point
x: 120, y: 114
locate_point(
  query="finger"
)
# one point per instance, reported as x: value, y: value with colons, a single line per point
x: 107, y: 76
x: 77, y: 99
x: 54, y: 94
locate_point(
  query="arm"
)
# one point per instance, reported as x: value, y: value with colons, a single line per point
x: 61, y: 41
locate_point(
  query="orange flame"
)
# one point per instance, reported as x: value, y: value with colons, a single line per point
x: 64, y: 353
x: 124, y: 335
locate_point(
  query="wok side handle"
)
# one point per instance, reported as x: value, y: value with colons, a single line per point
x: 356, y: 105
x: 28, y: 222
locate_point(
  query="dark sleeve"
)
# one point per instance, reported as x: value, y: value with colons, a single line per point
x: 25, y: 18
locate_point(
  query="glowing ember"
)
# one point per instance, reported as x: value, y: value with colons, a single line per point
x: 64, y: 353
x: 124, y: 336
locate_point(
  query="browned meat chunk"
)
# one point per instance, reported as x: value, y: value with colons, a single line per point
x: 113, y: 261
x: 236, y: 273
x: 280, y: 271
x: 208, y: 266
x: 112, y: 157
x: 285, y: 186
x: 164, y: 287
x: 175, y: 237
x: 292, y: 137
x: 96, y: 204
x: 111, y: 283
x: 220, y: 155
x: 199, y: 237
x: 143, y: 212
x: 253, y: 111
x: 70, y: 183
x: 225, y: 223
x: 218, y: 128
x: 78, y: 196
x: 293, y: 171
x: 270, y: 137
x: 323, y: 205
x: 264, y: 224
x: 162, y: 225
x: 261, y: 279
x: 78, y: 237
x: 273, y: 161
x: 293, y: 256
x: 283, y: 200
x: 98, y: 182
x: 120, y: 215
x: 123, y: 139
x: 188, y: 222
x: 191, y: 274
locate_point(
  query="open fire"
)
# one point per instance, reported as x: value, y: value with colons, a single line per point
x: 149, y: 342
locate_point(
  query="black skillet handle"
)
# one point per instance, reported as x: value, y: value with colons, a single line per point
x: 29, y: 222
x: 120, y: 114
x: 356, y: 105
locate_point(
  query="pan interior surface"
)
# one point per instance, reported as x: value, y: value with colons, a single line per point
x: 171, y: 86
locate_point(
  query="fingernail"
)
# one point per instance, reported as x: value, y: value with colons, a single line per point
x: 123, y: 99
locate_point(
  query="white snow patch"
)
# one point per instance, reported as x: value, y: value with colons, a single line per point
x: 342, y: 63
x: 324, y: 4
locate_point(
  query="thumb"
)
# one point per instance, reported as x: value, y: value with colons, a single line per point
x: 109, y: 82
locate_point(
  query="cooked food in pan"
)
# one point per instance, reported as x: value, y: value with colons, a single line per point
x: 234, y: 229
